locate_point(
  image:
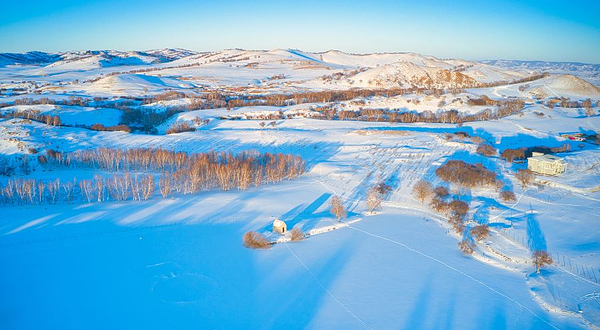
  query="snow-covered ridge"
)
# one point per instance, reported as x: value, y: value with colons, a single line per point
x: 321, y: 70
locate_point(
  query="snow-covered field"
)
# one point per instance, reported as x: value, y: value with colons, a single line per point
x: 179, y: 263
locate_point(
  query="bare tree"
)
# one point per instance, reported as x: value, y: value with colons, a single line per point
x: 526, y: 177
x: 480, y: 232
x: 540, y: 259
x: 422, y: 190
x: 68, y: 190
x: 164, y: 184
x: 41, y: 189
x: 255, y: 240
x: 337, y: 208
x: 86, y: 188
x: 296, y: 234
x: 53, y: 190
x: 374, y: 199
x: 100, y: 188
x: 148, y: 186
x: 507, y: 196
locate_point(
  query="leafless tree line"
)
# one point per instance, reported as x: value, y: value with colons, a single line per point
x: 180, y: 173
x: 20, y: 191
x: 503, y: 108
x: 34, y: 115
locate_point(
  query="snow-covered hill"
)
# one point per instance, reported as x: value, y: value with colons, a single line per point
x: 80, y: 248
x: 589, y: 72
x: 331, y: 69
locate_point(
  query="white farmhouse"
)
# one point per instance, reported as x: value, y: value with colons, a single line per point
x: 279, y: 226
x: 546, y: 164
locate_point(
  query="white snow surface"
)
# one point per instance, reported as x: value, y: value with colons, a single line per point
x: 178, y: 262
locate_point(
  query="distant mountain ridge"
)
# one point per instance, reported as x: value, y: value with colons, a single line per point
x: 104, y: 56
x: 330, y: 69
x: 587, y: 71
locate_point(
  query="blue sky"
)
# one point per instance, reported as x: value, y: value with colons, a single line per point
x: 528, y: 30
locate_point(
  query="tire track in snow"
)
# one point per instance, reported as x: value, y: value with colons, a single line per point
x: 456, y: 270
x: 324, y: 288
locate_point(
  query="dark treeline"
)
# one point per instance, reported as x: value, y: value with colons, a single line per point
x: 146, y: 119
x: 503, y: 108
x: 511, y: 155
x: 177, y: 173
x: 466, y: 175
x: 34, y: 115
x: 516, y: 81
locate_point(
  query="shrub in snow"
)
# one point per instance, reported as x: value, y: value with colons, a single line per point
x: 458, y: 207
x: 180, y: 127
x: 441, y: 192
x: 296, y: 234
x: 457, y: 223
x: 254, y: 240
x: 511, y: 155
x: 465, y: 247
x: 507, y: 196
x: 480, y: 232
x: 486, y: 150
x: 438, y: 205
x: 383, y: 188
x: 541, y: 259
x: 477, y: 140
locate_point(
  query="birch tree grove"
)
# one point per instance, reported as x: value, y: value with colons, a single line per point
x: 176, y: 173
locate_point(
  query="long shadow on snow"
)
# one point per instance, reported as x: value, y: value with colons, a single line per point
x: 421, y: 306
x: 297, y: 308
x: 300, y: 213
x: 535, y: 236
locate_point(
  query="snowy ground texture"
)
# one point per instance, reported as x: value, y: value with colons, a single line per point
x: 179, y: 262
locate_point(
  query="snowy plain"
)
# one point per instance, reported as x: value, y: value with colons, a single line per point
x: 179, y: 263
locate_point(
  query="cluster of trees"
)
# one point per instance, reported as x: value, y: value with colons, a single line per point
x: 516, y: 81
x: 22, y: 191
x: 455, y: 210
x: 179, y: 173
x: 101, y: 127
x: 337, y: 76
x: 503, y: 108
x: 568, y: 103
x: 71, y: 100
x: 146, y: 120
x: 466, y: 175
x: 486, y: 149
x: 34, y: 115
x: 510, y: 155
x: 189, y: 173
x: 255, y: 240
x: 180, y: 127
